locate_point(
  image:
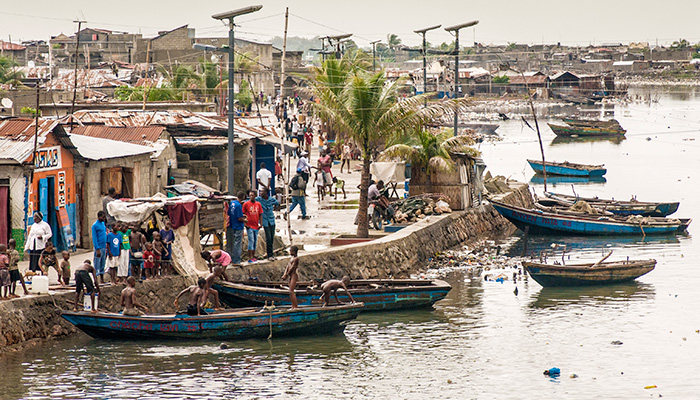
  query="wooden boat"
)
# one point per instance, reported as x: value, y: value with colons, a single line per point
x: 567, y: 169
x: 588, y: 128
x: 588, y: 274
x: 376, y: 294
x: 235, y: 324
x: 632, y: 207
x: 579, y: 180
x: 539, y: 221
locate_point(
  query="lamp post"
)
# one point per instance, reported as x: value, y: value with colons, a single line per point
x: 425, y: 65
x: 455, y: 29
x: 374, y: 59
x: 230, y: 15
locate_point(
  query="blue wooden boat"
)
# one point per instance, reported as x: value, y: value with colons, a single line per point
x: 567, y: 169
x: 618, y: 207
x: 376, y: 294
x: 236, y: 324
x: 540, y: 221
x: 589, y: 274
x: 579, y: 180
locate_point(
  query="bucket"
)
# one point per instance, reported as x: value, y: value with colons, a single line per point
x: 87, y: 302
x: 40, y: 284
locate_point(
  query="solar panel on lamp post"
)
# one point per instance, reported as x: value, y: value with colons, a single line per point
x: 455, y: 29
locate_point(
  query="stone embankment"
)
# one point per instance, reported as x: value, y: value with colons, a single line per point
x: 28, y: 320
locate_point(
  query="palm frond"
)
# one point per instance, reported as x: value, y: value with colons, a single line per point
x: 399, y: 152
x: 440, y: 164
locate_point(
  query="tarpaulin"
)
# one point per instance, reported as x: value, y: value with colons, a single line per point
x: 181, y: 214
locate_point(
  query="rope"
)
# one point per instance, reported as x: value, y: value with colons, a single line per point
x: 270, y: 308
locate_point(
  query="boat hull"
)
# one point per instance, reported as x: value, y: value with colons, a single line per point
x: 570, y: 170
x: 562, y: 130
x: 648, y: 209
x: 538, y: 221
x: 608, y: 273
x: 239, y: 324
x: 387, y: 296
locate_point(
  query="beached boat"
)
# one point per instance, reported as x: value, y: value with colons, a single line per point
x: 540, y: 221
x: 376, y: 294
x: 604, y: 273
x: 618, y: 207
x: 567, y: 169
x: 588, y: 128
x: 232, y: 324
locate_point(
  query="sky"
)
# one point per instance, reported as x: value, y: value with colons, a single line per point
x: 532, y: 22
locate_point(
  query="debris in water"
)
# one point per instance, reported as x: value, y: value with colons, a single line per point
x: 650, y: 387
x: 553, y: 372
x: 616, y: 342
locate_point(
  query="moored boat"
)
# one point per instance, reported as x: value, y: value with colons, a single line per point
x: 588, y: 128
x: 631, y: 207
x: 234, y: 324
x: 376, y: 294
x: 567, y: 169
x: 549, y: 275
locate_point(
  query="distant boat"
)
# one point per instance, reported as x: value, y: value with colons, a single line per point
x: 557, y: 179
x: 376, y: 294
x: 604, y: 273
x: 618, y: 207
x: 573, y: 223
x: 568, y: 169
x: 236, y: 324
x: 576, y: 127
x: 484, y: 129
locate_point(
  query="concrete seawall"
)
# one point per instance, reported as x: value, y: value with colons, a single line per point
x: 28, y: 320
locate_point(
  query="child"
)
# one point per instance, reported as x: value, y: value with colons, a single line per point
x: 149, y: 260
x: 167, y: 236
x: 65, y: 267
x: 4, y: 272
x: 332, y: 286
x: 197, y: 293
x: 320, y: 185
x: 114, y: 245
x: 339, y: 184
x: 160, y: 252
x: 291, y: 273
x: 123, y: 265
x: 48, y: 260
x: 82, y: 278
x: 132, y: 308
x: 15, y: 275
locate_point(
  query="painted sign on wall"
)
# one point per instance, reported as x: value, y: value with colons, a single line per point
x: 47, y: 158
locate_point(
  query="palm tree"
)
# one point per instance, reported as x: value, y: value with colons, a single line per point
x: 394, y: 42
x: 423, y: 148
x: 365, y: 106
x: 8, y: 73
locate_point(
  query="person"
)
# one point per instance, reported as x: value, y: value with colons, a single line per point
x: 279, y: 173
x: 309, y: 139
x: 82, y: 279
x: 252, y: 210
x: 295, y: 136
x: 99, y: 243
x: 236, y: 221
x: 291, y: 273
x: 268, y: 221
x: 264, y: 178
x: 339, y: 184
x: 304, y: 166
x: 167, y: 236
x: 287, y: 125
x: 5, y: 282
x: 111, y: 196
x: 132, y: 308
x: 377, y: 194
x: 332, y: 286
x: 320, y: 183
x: 321, y: 142
x: 123, y: 266
x: 160, y: 251
x: 39, y: 234
x: 48, y: 260
x: 218, y: 272
x: 298, y: 186
x: 15, y: 275
x: 65, y: 267
x: 346, y: 156
x: 324, y: 164
x: 300, y: 136
x: 136, y: 240
x: 216, y: 258
x: 148, y: 260
x: 196, y: 298
x: 114, y: 246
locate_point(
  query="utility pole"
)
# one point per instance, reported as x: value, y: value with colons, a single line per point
x: 425, y: 62
x: 75, y: 71
x: 36, y: 132
x: 374, y: 58
x: 455, y: 29
x: 145, y: 81
x: 286, y: 156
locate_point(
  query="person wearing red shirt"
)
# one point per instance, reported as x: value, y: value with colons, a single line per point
x: 252, y: 210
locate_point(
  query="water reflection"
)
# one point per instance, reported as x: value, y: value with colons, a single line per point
x: 606, y: 295
x: 567, y: 180
x: 559, y: 140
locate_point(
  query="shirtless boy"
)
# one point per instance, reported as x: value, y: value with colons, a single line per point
x: 132, y: 308
x: 291, y: 273
x: 82, y: 277
x: 196, y: 294
x: 65, y: 267
x: 332, y: 286
x: 217, y: 273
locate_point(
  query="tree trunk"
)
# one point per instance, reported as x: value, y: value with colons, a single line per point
x: 362, y: 218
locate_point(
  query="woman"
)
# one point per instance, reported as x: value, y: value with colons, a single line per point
x: 39, y: 234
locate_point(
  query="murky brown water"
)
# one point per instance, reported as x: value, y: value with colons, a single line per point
x: 483, y: 341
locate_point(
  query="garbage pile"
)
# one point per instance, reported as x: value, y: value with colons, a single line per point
x: 414, y: 208
x: 482, y: 259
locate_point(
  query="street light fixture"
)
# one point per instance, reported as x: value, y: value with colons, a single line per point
x: 455, y: 29
x: 230, y: 15
x: 374, y: 59
x: 425, y: 68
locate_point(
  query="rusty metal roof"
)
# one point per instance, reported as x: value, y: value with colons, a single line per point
x: 529, y: 80
x: 17, y: 137
x: 100, y: 78
x: 9, y: 46
x: 143, y: 135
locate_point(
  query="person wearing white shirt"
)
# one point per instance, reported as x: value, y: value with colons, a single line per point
x: 39, y: 234
x: 263, y: 176
x: 304, y: 166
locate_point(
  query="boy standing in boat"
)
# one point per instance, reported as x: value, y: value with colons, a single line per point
x: 209, y: 282
x: 332, y: 286
x: 196, y: 293
x: 291, y: 273
x: 132, y: 308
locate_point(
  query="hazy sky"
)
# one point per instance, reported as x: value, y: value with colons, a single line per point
x: 536, y: 21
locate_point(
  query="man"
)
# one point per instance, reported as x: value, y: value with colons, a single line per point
x: 99, y: 243
x: 132, y: 308
x: 295, y: 133
x: 376, y: 193
x: 236, y: 221
x: 82, y: 278
x: 332, y: 286
x: 264, y: 177
x: 304, y: 165
x: 111, y: 196
x: 252, y: 210
x: 268, y: 221
x: 298, y: 193
x: 309, y: 138
x: 196, y: 294
x: 324, y: 164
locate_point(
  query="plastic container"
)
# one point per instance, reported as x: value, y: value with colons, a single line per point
x: 87, y: 302
x: 40, y: 284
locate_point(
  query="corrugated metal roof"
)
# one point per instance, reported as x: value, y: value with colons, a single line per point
x: 93, y: 148
x: 100, y: 78
x: 17, y: 137
x: 141, y: 135
x: 530, y: 80
x: 9, y: 46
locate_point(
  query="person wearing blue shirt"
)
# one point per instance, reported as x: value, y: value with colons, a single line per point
x: 99, y: 243
x: 114, y: 246
x: 268, y: 221
x: 236, y: 221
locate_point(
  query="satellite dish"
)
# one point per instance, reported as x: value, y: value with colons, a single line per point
x: 31, y: 64
x: 7, y: 103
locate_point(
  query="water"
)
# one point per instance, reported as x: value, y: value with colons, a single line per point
x: 483, y: 341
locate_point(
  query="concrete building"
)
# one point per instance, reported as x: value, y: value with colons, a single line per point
x: 96, y: 46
